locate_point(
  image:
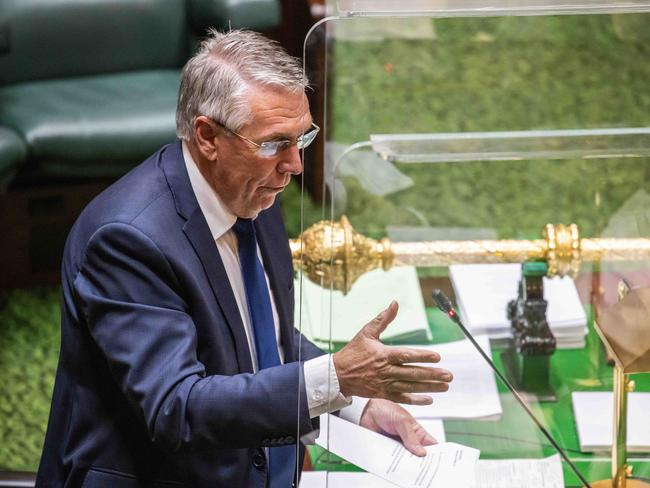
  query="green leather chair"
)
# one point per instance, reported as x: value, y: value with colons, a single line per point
x: 90, y: 86
x: 12, y: 154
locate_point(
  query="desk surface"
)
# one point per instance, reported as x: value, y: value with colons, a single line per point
x: 515, y: 435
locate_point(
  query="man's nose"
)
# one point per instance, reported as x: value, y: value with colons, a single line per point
x: 291, y: 161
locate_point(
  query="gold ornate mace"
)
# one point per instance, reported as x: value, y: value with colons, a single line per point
x: 335, y: 254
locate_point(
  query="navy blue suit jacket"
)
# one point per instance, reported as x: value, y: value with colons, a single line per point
x: 155, y: 385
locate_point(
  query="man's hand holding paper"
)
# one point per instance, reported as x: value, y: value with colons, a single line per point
x: 445, y: 464
x: 388, y: 418
x: 367, y: 368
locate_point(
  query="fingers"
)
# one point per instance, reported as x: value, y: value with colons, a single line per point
x: 420, y: 373
x: 391, y: 419
x: 417, y: 387
x: 410, y: 399
x: 376, y: 326
x: 426, y: 439
x: 407, y: 431
x: 404, y: 355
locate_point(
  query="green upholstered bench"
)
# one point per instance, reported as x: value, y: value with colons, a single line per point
x: 90, y: 85
x: 95, y: 126
x: 88, y: 90
x: 12, y: 154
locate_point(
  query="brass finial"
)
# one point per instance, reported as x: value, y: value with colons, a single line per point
x: 335, y: 254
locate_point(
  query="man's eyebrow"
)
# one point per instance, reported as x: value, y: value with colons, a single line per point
x: 275, y: 136
x: 283, y: 135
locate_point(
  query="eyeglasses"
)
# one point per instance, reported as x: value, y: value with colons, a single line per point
x: 270, y: 149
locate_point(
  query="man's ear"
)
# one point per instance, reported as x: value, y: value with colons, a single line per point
x: 205, y: 132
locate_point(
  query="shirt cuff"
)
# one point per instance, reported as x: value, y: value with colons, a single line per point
x: 322, y: 386
x: 354, y: 411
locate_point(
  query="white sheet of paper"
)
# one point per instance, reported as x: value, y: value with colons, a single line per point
x: 517, y: 473
x: 504, y: 473
x: 371, y: 293
x: 342, y: 479
x: 473, y: 392
x: 593, y: 412
x: 446, y: 464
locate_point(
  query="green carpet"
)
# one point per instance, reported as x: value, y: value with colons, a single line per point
x: 29, y: 350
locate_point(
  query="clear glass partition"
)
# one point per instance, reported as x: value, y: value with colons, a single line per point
x: 482, y: 8
x: 454, y: 132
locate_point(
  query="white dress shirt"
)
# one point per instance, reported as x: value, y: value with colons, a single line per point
x: 321, y: 382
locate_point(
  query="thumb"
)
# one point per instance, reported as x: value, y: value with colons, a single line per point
x: 376, y: 326
x: 410, y: 439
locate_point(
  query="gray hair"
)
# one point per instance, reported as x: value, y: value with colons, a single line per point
x: 216, y: 80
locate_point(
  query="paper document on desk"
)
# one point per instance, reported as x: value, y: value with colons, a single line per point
x: 371, y: 294
x: 473, y: 392
x: 502, y: 473
x: 516, y: 473
x: 484, y: 290
x: 342, y: 479
x: 594, y: 413
x: 446, y: 464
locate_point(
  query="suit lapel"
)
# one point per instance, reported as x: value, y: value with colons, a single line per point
x: 198, y: 233
x: 270, y: 238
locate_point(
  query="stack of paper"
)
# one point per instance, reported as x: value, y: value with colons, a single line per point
x: 484, y: 290
x: 473, y: 392
x: 593, y: 411
x: 324, y: 313
x: 517, y: 473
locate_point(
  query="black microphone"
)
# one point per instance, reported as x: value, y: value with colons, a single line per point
x: 444, y: 304
x: 446, y: 307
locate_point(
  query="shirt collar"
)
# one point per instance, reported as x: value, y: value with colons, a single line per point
x: 218, y: 216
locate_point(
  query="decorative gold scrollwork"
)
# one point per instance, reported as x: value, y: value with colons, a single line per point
x: 335, y: 254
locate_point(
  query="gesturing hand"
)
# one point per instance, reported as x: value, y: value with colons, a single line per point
x: 390, y: 419
x: 367, y: 368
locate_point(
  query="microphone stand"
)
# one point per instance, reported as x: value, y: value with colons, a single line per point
x: 444, y: 304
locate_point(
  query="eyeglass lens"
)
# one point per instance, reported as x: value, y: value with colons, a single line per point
x: 272, y: 148
x: 306, y: 139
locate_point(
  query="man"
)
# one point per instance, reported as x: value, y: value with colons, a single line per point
x: 180, y: 364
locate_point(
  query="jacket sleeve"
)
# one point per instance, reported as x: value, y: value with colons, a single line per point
x: 307, y: 349
x: 133, y: 307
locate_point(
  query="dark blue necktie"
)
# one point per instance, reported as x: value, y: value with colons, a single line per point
x: 282, y: 460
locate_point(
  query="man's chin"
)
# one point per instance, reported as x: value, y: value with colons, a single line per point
x: 254, y: 209
x: 267, y: 202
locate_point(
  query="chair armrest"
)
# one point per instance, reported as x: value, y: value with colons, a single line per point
x: 12, y: 147
x: 12, y: 154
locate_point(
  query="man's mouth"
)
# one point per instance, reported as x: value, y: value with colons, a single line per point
x: 274, y: 188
